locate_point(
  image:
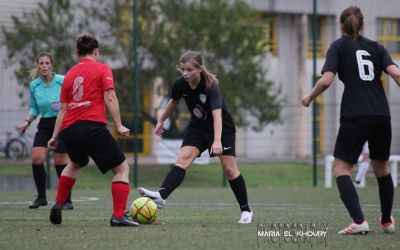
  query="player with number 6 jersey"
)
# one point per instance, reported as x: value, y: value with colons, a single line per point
x: 364, y: 115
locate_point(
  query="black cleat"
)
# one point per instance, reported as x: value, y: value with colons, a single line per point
x: 55, y: 214
x: 68, y: 206
x: 38, y: 202
x: 122, y: 222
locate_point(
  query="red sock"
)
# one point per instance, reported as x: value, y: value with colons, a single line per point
x: 120, y: 192
x: 65, y: 185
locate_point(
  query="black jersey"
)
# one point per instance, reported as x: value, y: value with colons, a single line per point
x: 201, y: 103
x: 359, y: 64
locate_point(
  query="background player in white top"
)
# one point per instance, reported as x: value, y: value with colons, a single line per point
x: 362, y: 167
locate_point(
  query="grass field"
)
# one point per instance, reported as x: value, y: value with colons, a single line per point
x: 199, y: 215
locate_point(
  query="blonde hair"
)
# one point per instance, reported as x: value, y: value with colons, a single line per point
x: 34, y: 73
x: 197, y: 59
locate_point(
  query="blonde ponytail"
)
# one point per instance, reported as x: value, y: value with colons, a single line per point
x: 210, y: 78
x: 33, y: 73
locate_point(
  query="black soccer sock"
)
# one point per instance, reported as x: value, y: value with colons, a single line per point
x: 386, y: 193
x: 39, y: 175
x: 349, y: 196
x: 173, y: 179
x: 238, y: 187
x: 59, y: 169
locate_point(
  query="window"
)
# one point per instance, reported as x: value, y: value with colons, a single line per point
x: 144, y: 131
x: 319, y: 36
x: 388, y: 33
x: 269, y: 44
x: 123, y: 81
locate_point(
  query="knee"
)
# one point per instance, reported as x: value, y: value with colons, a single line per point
x: 60, y: 159
x: 37, y: 159
x: 340, y: 172
x: 121, y: 170
x: 341, y: 168
x: 231, y: 171
x: 381, y: 169
x: 184, y: 161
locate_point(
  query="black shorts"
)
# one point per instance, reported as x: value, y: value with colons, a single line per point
x: 203, y: 140
x: 353, y: 133
x: 44, y: 134
x: 93, y: 139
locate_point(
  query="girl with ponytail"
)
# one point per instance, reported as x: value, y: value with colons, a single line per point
x: 44, y: 89
x: 364, y: 115
x: 210, y: 128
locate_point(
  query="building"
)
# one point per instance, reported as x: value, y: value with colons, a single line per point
x: 290, y: 65
x: 11, y: 112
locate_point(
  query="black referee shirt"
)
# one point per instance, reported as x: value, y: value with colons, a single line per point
x: 359, y: 64
x: 201, y: 102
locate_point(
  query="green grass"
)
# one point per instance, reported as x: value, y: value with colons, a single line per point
x: 194, y: 218
x: 200, y: 214
x: 255, y: 174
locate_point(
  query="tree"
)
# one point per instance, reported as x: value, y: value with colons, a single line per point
x: 52, y: 27
x: 228, y: 33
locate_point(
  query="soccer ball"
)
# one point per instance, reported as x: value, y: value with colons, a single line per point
x: 144, y: 210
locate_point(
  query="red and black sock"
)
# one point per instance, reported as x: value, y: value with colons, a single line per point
x: 349, y: 196
x: 120, y: 192
x: 173, y: 179
x: 65, y: 185
x: 59, y: 169
x: 39, y: 175
x: 386, y: 193
x: 238, y: 187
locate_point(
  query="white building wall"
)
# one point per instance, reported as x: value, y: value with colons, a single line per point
x: 11, y: 112
x: 291, y: 70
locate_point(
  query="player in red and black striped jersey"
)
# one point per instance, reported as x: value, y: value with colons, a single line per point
x: 87, y: 90
x: 364, y: 114
x: 210, y: 128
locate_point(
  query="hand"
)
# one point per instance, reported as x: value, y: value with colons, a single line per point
x: 124, y: 131
x: 306, y: 100
x: 216, y: 148
x: 158, y: 130
x: 52, y: 143
x: 22, y: 128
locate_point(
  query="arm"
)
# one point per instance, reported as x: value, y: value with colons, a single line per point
x: 171, y: 105
x: 112, y: 104
x: 216, y: 147
x: 22, y: 128
x: 33, y: 111
x: 52, y: 143
x: 394, y: 72
x: 322, y: 84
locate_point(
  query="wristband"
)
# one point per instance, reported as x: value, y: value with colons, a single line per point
x: 29, y: 122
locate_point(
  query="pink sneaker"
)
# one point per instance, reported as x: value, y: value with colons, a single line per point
x: 355, y: 228
x: 388, y: 228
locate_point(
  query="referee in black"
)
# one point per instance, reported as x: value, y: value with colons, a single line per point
x: 364, y: 115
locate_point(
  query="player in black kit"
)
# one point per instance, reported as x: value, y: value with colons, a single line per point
x: 364, y: 115
x: 210, y: 128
